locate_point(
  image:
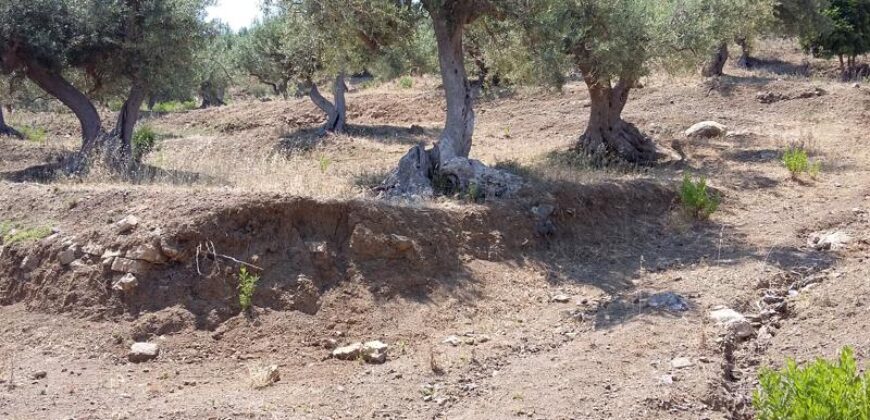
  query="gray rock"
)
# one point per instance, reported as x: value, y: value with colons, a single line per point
x: 452, y: 340
x: 143, y: 352
x: 264, y: 376
x: 828, y: 241
x: 734, y: 322
x: 29, y: 263
x: 681, y: 363
x: 375, y: 352
x: 707, y: 129
x: 561, y: 298
x: 66, y: 256
x: 349, y: 352
x: 147, y: 252
x: 127, y: 224
x: 668, y: 301
x: 125, y: 265
x: 126, y: 283
x: 93, y: 249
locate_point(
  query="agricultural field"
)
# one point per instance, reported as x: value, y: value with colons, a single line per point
x: 249, y: 261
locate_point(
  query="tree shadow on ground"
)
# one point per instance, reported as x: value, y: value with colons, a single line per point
x: 142, y: 174
x: 726, y: 84
x: 306, y: 139
x: 777, y: 66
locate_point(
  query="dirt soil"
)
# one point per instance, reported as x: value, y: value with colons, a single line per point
x: 540, y: 306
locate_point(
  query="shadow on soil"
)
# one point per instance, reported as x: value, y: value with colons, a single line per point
x: 306, y: 139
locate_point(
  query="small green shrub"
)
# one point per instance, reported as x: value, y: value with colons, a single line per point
x: 797, y: 161
x: 697, y: 200
x: 34, y: 134
x: 324, y: 163
x: 12, y: 234
x: 821, y: 390
x: 174, y: 106
x: 406, y: 82
x: 247, y: 286
x: 144, y: 141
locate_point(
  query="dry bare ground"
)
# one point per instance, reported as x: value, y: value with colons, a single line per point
x: 251, y: 182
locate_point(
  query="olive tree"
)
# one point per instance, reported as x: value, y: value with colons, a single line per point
x: 613, y: 44
x: 310, y: 40
x: 447, y: 164
x: 737, y: 20
x: 121, y: 48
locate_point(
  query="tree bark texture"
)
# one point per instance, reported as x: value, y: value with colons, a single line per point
x: 607, y: 134
x: 6, y: 130
x: 336, y: 112
x: 716, y: 65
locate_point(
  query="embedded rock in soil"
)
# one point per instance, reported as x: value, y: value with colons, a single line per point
x: 143, y: 352
x: 126, y: 265
x: 66, y: 256
x: 367, y: 244
x: 166, y: 321
x: 126, y: 225
x: 681, y: 363
x: 734, y: 322
x: 828, y: 241
x: 707, y: 129
x: 126, y: 283
x: 147, y: 252
x: 375, y: 352
x: 263, y: 376
x: 349, y: 352
x: 668, y: 301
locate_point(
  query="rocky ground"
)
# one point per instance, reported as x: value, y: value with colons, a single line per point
x: 623, y: 309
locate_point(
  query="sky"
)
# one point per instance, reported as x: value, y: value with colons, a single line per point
x: 236, y: 13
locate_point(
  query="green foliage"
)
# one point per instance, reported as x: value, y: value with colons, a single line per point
x: 247, y: 286
x: 697, y: 201
x: 821, y: 390
x: 10, y: 233
x: 34, y: 134
x: 144, y: 140
x: 406, y: 82
x: 796, y: 159
x: 174, y: 106
x: 847, y: 33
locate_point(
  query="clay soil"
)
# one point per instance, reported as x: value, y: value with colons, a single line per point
x: 251, y: 183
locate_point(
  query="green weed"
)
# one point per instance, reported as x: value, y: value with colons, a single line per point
x: 819, y: 391
x: 406, y: 82
x: 34, y: 134
x: 11, y: 233
x: 144, y: 141
x: 696, y: 199
x: 174, y: 106
x: 797, y: 161
x: 247, y: 286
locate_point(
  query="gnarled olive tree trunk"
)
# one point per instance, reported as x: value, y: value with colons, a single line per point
x: 716, y: 65
x: 336, y: 112
x: 447, y: 163
x: 745, y: 60
x: 211, y: 95
x: 6, y: 130
x: 115, y: 147
x: 607, y: 134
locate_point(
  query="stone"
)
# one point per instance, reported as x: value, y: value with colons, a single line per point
x: 39, y: 374
x: 263, y: 376
x: 170, y: 248
x: 707, y: 129
x: 681, y: 363
x: 734, y: 322
x: 349, y: 352
x: 147, y: 252
x: 66, y: 256
x: 828, y: 241
x: 93, y: 249
x: 143, y: 352
x: 29, y: 263
x: 561, y: 298
x: 126, y: 283
x: 452, y: 340
x: 126, y: 265
x: 375, y: 352
x: 668, y: 301
x: 126, y: 225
